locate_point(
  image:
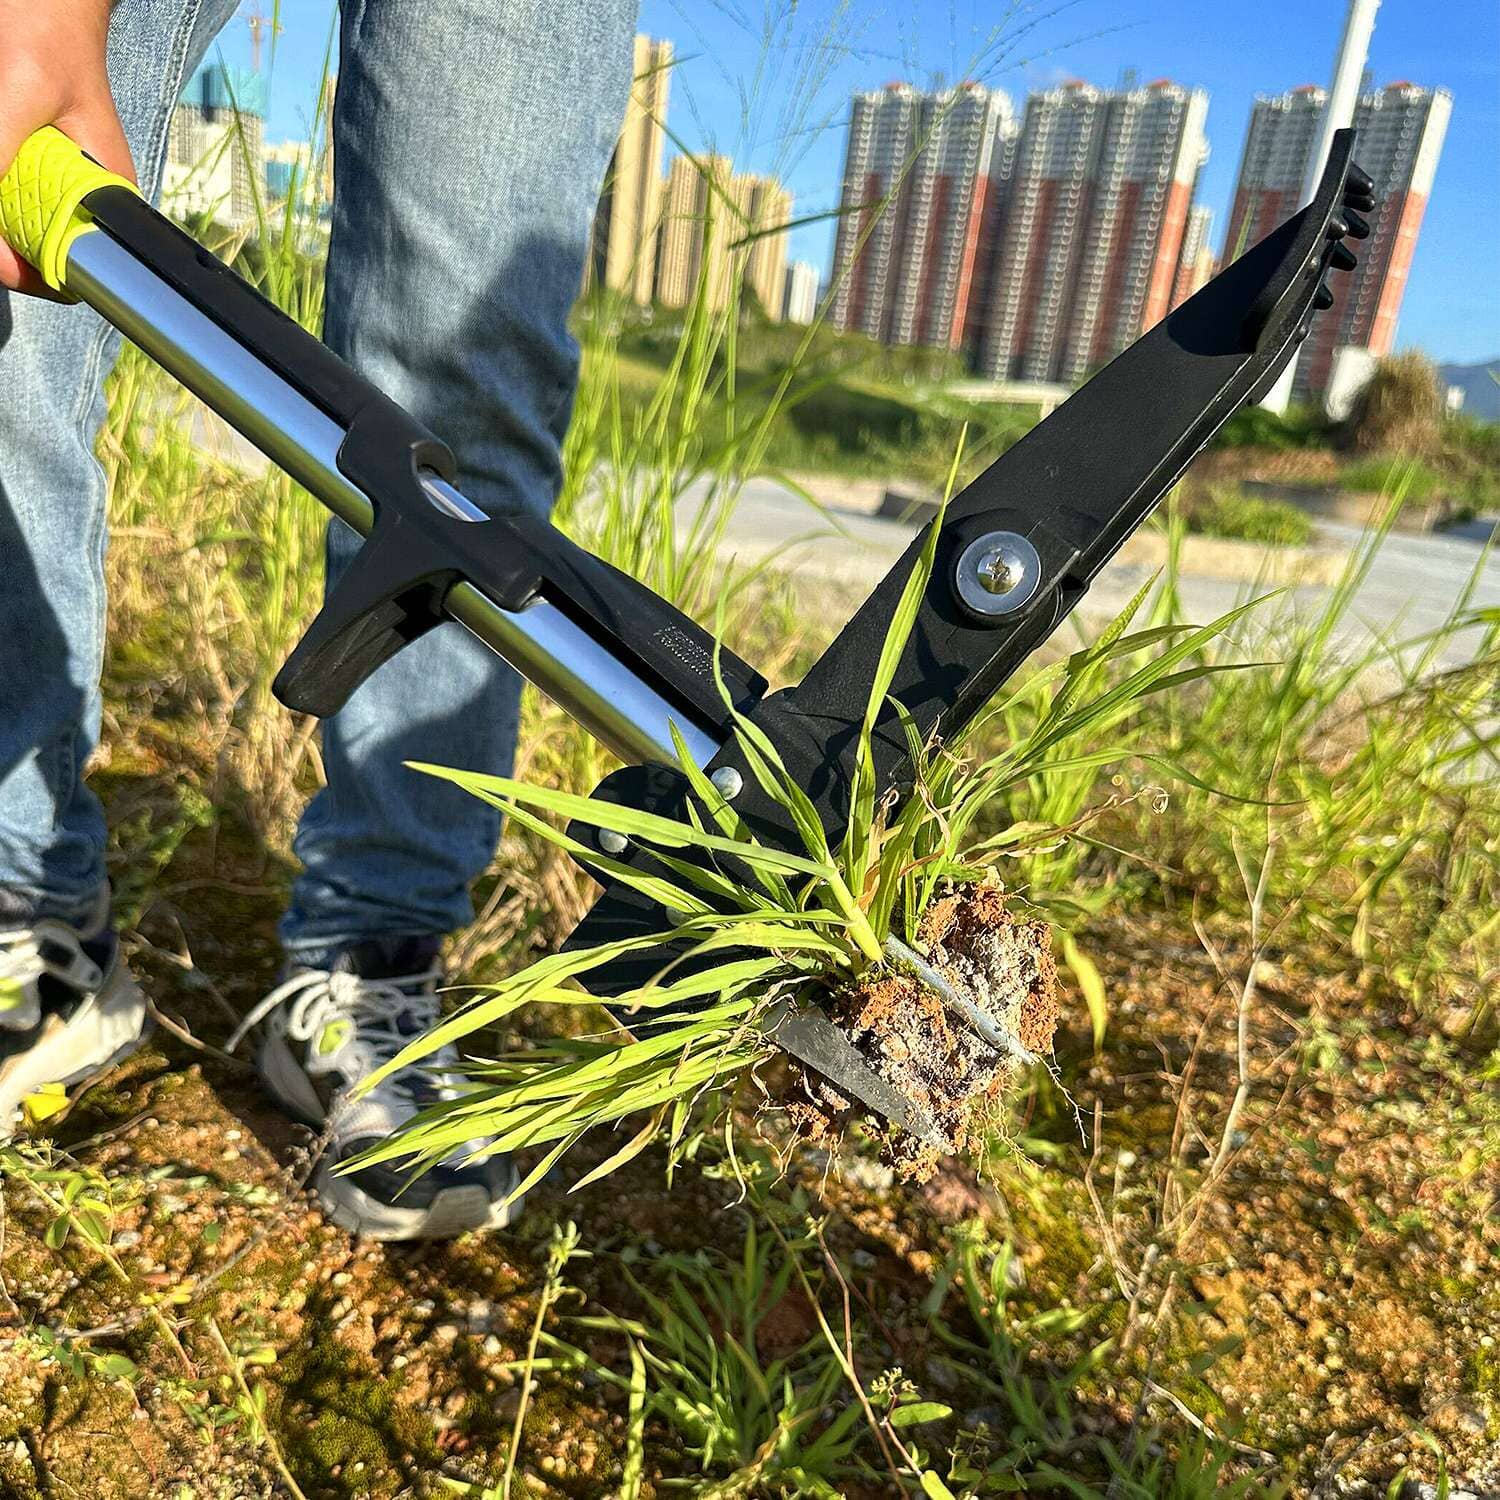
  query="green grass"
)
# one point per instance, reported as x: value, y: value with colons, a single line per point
x: 1250, y: 774
x: 855, y: 408
x: 1378, y: 476
x: 1230, y: 513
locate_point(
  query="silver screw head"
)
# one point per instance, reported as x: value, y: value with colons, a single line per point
x: 611, y: 842
x: 997, y: 573
x: 728, y: 782
x: 999, y: 570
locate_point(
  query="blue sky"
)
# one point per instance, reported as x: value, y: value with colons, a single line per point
x: 767, y: 81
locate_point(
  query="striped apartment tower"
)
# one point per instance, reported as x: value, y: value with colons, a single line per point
x: 924, y: 179
x: 1099, y: 204
x: 1283, y: 131
x: 1195, y: 263
x: 704, y: 209
x: 1400, y: 137
x: 1401, y: 129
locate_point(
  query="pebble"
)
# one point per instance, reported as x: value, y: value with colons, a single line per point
x: 492, y: 1346
x: 340, y: 1278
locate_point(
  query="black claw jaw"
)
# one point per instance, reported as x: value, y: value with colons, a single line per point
x: 1317, y: 235
x: 1074, y: 488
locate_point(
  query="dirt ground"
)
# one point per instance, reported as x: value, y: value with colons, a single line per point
x: 1336, y: 1294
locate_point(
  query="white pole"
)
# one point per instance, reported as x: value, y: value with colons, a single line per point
x: 1338, y: 111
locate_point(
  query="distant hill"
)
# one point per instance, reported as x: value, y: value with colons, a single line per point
x: 1481, y: 387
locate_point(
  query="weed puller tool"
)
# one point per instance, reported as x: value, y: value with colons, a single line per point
x: 1016, y: 551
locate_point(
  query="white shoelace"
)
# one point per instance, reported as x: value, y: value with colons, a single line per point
x: 377, y: 1009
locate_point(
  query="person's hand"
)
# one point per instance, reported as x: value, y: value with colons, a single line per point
x: 52, y: 73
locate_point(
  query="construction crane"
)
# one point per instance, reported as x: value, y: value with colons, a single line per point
x: 259, y: 25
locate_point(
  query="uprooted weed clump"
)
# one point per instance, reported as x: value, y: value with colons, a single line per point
x: 900, y: 1023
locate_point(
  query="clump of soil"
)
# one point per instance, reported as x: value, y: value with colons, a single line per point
x: 902, y: 1025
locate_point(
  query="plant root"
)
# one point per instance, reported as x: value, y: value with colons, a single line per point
x: 902, y: 1026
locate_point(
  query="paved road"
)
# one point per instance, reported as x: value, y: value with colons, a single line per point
x: 1410, y: 589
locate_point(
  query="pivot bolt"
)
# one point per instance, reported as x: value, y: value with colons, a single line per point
x: 998, y: 570
x: 728, y: 782
x: 611, y: 842
x: 996, y: 574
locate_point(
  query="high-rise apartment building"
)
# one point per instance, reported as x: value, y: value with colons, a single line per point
x: 679, y: 240
x: 1400, y: 130
x: 1283, y: 132
x: 215, y: 146
x: 768, y: 207
x: 924, y: 178
x: 622, y: 253
x: 706, y: 210
x: 1195, y: 261
x: 1400, y: 137
x: 709, y: 223
x: 877, y: 155
x: 800, y: 304
x: 1098, y: 208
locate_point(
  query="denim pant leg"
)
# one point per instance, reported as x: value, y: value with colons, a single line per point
x: 52, y: 514
x: 470, y: 140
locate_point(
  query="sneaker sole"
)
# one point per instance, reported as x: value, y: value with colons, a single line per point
x: 454, y: 1211
x: 107, y: 1028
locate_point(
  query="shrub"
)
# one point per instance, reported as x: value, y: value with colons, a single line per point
x: 1259, y: 427
x: 1399, y: 411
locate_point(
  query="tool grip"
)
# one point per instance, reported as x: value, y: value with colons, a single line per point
x: 41, y: 201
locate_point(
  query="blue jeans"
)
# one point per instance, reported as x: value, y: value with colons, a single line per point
x: 470, y: 138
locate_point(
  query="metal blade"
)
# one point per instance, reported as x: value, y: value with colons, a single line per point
x: 812, y: 1038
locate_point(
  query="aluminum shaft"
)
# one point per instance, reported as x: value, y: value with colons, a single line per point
x: 540, y: 642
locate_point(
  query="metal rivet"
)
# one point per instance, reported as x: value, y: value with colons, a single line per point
x: 997, y: 573
x: 611, y: 842
x: 728, y: 782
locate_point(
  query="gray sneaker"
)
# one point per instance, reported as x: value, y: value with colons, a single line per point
x: 326, y: 1029
x: 68, y: 1007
